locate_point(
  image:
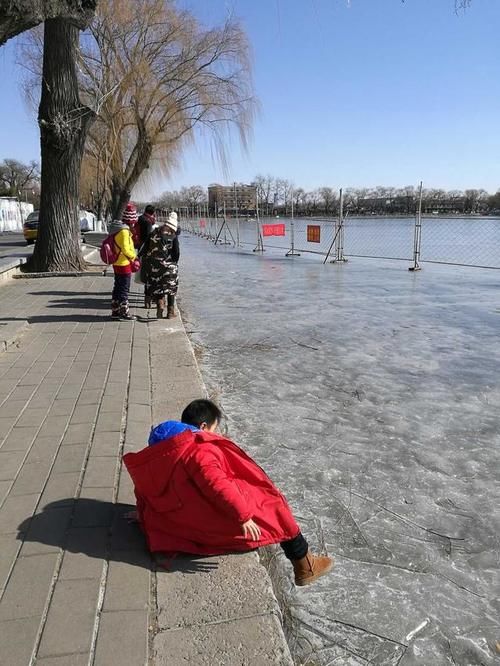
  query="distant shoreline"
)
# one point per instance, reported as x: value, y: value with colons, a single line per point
x: 396, y: 216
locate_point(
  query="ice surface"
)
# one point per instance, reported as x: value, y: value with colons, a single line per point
x: 371, y: 396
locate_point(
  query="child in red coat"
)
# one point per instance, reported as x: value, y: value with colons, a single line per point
x: 197, y: 492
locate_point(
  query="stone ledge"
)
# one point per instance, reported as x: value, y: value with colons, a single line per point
x: 211, y: 610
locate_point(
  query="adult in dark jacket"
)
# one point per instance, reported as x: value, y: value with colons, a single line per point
x: 146, y: 223
x: 160, y: 272
x: 145, y: 226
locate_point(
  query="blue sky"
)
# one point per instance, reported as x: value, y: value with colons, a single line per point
x: 359, y: 93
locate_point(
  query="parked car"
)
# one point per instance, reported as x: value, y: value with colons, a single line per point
x: 30, y: 226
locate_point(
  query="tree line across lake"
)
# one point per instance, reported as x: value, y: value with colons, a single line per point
x: 281, y: 196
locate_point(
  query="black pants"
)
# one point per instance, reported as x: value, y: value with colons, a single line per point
x: 119, y: 297
x: 296, y: 548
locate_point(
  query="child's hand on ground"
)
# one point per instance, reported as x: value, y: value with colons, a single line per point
x: 251, y: 530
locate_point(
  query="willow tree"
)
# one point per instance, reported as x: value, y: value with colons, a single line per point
x: 156, y: 77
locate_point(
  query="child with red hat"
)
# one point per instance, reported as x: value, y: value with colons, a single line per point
x: 125, y: 264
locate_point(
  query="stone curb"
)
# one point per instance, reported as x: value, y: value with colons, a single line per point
x: 10, y: 267
x: 227, y: 614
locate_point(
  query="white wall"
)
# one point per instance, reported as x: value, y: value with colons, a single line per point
x: 13, y: 213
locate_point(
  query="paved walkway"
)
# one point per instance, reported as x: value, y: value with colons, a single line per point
x: 77, y: 390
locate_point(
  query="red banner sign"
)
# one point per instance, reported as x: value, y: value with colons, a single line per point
x: 203, y: 223
x: 273, y: 229
x: 313, y: 233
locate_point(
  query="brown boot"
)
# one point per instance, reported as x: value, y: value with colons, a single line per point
x: 171, y: 312
x: 160, y: 306
x: 310, y: 568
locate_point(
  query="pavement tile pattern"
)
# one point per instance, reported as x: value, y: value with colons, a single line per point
x: 77, y: 586
x: 69, y: 388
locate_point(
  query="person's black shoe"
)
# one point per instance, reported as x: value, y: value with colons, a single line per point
x: 115, y: 315
x: 127, y: 317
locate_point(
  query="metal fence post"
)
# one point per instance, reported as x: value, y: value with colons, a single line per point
x: 338, y: 236
x: 417, y: 236
x: 292, y: 252
x: 260, y: 244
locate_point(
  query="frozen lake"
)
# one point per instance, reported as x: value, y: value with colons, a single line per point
x: 371, y: 396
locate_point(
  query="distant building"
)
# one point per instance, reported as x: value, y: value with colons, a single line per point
x: 386, y: 205
x: 236, y: 199
x: 449, y: 206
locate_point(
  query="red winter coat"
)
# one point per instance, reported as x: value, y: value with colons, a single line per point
x: 195, y: 489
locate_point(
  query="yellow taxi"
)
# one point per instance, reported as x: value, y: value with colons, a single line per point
x: 30, y: 228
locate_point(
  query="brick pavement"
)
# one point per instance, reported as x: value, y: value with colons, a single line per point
x: 76, y: 584
x: 71, y: 569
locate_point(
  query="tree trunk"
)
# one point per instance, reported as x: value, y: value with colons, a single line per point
x: 16, y: 16
x: 63, y: 127
x: 120, y: 196
x: 139, y: 161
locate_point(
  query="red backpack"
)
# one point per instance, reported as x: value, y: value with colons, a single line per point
x: 109, y: 250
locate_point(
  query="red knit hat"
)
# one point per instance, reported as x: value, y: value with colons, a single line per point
x: 129, y: 214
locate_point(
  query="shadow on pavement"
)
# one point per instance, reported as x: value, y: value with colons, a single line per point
x: 100, y: 529
x: 47, y: 319
x: 67, y: 294
x: 81, y: 303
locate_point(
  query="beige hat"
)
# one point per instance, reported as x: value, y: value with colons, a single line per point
x: 171, y: 222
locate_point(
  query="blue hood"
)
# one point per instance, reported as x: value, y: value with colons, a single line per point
x: 168, y: 429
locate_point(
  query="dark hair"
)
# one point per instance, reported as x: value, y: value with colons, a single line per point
x: 201, y: 411
x: 149, y: 209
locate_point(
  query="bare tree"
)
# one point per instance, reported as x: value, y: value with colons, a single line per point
x: 16, y: 176
x: 475, y: 200
x: 265, y: 186
x: 193, y: 195
x: 313, y: 200
x: 298, y: 199
x: 187, y: 197
x: 282, y: 193
x: 494, y: 202
x: 328, y: 197
x: 170, y: 200
x: 156, y: 76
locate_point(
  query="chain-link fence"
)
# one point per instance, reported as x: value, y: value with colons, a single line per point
x: 471, y: 241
